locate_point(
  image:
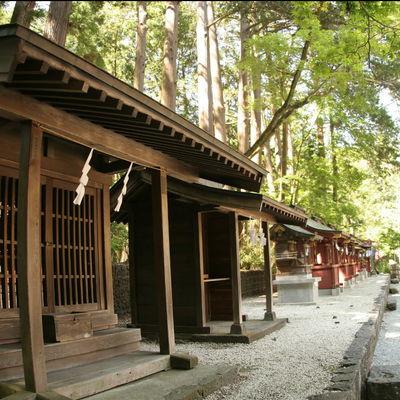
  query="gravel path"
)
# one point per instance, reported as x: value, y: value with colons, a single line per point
x: 298, y: 360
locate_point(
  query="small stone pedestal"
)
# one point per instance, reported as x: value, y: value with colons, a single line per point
x: 297, y: 289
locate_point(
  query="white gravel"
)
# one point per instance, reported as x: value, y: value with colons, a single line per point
x: 298, y: 360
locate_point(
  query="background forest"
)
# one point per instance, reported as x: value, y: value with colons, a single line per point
x: 307, y: 89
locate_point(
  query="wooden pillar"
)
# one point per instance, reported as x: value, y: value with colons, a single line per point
x: 107, y: 251
x: 199, y: 268
x: 162, y: 262
x: 269, y: 291
x: 132, y: 271
x: 29, y: 259
x: 238, y: 327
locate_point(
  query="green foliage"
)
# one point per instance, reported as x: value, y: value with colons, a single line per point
x: 352, y: 179
x: 251, y: 257
x: 119, y: 239
x: 5, y: 12
x: 87, y: 43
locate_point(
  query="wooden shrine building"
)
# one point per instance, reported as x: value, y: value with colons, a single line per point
x: 293, y: 257
x: 337, y: 258
x: 204, y: 251
x: 333, y: 257
x: 65, y: 128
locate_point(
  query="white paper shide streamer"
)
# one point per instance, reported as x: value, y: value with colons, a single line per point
x: 84, y: 179
x: 252, y: 233
x: 263, y: 239
x: 123, y: 191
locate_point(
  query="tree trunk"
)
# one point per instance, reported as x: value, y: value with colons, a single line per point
x: 169, y: 75
x: 269, y: 167
x: 335, y: 169
x: 22, y: 13
x: 56, y: 27
x: 217, y: 92
x: 204, y: 85
x: 255, y: 129
x: 290, y: 155
x: 243, y: 134
x: 287, y: 109
x: 277, y: 148
x: 320, y: 138
x: 284, y: 159
x: 141, y: 38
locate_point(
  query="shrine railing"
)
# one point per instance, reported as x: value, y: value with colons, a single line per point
x: 286, y: 255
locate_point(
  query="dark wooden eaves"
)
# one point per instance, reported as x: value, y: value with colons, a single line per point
x: 37, y: 68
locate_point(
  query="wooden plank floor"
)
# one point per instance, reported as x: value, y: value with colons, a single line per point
x: 86, y: 380
x: 256, y: 329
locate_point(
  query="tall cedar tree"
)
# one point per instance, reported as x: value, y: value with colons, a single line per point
x: 23, y: 11
x: 56, y: 27
x: 169, y: 74
x: 141, y: 39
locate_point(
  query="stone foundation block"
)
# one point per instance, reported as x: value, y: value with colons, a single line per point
x: 391, y: 305
x: 383, y: 383
x: 183, y: 361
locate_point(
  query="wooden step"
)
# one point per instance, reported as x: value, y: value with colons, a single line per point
x: 86, y: 380
x: 104, y: 344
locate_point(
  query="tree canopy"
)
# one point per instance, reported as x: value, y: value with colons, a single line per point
x: 316, y: 74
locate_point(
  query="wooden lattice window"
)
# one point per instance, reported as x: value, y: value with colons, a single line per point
x: 73, y: 248
x: 8, y: 243
x: 70, y: 244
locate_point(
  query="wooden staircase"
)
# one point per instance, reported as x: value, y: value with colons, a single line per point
x: 104, y: 344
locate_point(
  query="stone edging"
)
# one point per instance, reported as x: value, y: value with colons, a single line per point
x: 350, y: 380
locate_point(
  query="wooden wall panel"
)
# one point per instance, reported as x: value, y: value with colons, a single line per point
x: 183, y: 233
x: 184, y: 261
x: 219, y: 300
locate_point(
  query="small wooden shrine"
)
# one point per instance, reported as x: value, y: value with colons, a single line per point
x: 326, y: 261
x: 336, y: 259
x: 293, y: 256
x: 65, y: 128
x: 204, y: 250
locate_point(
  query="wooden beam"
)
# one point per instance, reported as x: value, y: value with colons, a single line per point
x: 238, y: 326
x: 72, y: 128
x: 92, y: 95
x: 29, y: 259
x: 9, y: 57
x: 51, y: 77
x: 73, y: 85
x: 118, y: 166
x: 269, y: 314
x: 162, y: 262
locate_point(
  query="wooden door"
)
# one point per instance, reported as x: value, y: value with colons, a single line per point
x: 71, y: 247
x: 217, y: 267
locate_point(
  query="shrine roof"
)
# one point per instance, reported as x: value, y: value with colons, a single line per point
x: 246, y: 204
x: 69, y: 97
x: 296, y: 230
x: 320, y: 227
